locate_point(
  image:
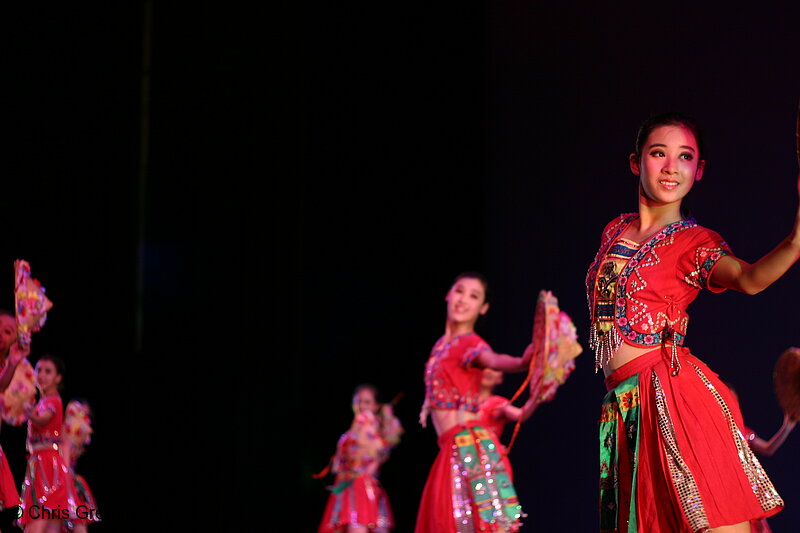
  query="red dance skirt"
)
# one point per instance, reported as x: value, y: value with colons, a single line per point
x: 49, y: 489
x: 438, y: 510
x: 362, y: 503
x: 86, y: 509
x: 695, y: 470
x: 9, y: 497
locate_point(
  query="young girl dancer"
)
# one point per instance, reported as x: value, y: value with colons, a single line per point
x: 496, y: 411
x: 358, y: 503
x: 48, y: 493
x: 76, y: 435
x: 468, y: 488
x: 11, y: 353
x: 672, y: 457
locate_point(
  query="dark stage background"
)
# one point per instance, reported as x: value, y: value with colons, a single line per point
x: 129, y: 176
x: 495, y: 137
x: 216, y: 289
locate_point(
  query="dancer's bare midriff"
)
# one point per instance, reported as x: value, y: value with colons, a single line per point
x: 446, y: 419
x: 627, y: 353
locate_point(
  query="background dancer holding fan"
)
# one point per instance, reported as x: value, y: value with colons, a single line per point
x: 358, y: 502
x: 76, y: 435
x: 496, y: 411
x: 484, y: 497
x: 49, y: 497
x: 17, y: 385
x: 468, y: 487
x: 11, y: 353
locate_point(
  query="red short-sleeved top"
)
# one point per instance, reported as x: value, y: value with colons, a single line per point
x: 491, y: 414
x: 359, y: 448
x: 50, y: 433
x: 655, y: 284
x: 451, y: 380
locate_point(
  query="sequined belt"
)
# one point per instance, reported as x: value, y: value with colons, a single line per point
x: 42, y: 446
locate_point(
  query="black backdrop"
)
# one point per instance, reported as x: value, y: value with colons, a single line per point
x: 155, y: 264
x: 495, y: 137
x: 313, y: 184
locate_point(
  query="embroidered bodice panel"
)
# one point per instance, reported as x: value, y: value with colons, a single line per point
x: 451, y: 381
x: 363, y: 445
x: 50, y: 432
x: 641, y: 296
x: 605, y: 288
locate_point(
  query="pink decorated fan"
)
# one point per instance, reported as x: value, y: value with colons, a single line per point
x: 555, y: 347
x: 77, y: 431
x: 78, y: 424
x: 31, y: 304
x: 560, y: 345
x: 20, y: 395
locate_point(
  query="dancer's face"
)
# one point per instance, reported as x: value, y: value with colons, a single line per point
x: 491, y: 378
x: 8, y: 333
x: 47, y: 376
x: 668, y: 166
x: 466, y: 301
x: 364, y: 400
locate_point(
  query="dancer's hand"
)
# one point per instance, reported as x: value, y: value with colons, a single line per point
x: 526, y: 357
x: 17, y: 352
x: 423, y: 414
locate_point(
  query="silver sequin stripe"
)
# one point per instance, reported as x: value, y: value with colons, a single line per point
x: 462, y: 501
x: 604, y: 346
x: 682, y: 477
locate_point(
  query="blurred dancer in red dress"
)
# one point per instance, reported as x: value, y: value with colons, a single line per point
x: 468, y: 487
x: 358, y: 502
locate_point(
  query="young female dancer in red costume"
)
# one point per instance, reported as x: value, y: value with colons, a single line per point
x: 496, y: 411
x: 672, y: 457
x: 76, y: 435
x: 48, y: 493
x: 468, y: 488
x: 358, y: 503
x: 11, y: 353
